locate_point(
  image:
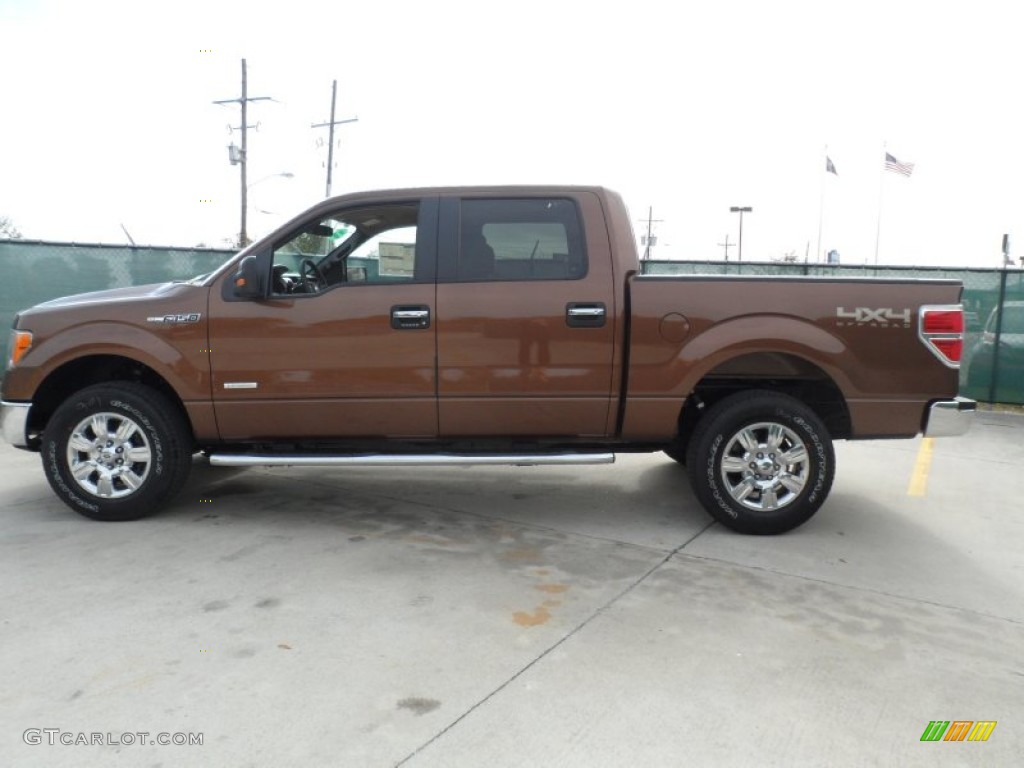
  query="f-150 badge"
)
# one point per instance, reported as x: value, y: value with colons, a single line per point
x: 190, y: 317
x: 884, y: 317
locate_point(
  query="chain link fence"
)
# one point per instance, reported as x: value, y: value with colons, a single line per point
x: 993, y: 367
x: 34, y: 271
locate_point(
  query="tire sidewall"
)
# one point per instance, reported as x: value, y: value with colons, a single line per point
x: 80, y: 406
x: 723, y: 426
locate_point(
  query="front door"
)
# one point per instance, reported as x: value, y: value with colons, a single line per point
x: 343, y: 343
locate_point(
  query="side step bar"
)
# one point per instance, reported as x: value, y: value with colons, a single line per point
x: 405, y: 460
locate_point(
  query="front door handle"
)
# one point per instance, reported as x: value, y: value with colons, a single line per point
x: 585, y: 314
x: 410, y: 317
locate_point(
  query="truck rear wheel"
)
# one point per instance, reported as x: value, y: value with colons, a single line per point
x: 116, y: 451
x: 761, y: 462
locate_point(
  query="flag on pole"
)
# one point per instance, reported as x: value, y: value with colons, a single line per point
x: 894, y: 165
x: 830, y: 167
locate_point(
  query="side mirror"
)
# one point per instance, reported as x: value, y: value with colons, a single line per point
x: 247, y: 280
x: 319, y: 230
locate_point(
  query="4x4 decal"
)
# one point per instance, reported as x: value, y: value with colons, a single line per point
x: 882, y: 317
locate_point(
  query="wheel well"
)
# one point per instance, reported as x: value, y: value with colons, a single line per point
x: 773, y: 371
x: 95, y: 369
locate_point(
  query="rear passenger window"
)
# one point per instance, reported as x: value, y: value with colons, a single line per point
x: 520, y: 240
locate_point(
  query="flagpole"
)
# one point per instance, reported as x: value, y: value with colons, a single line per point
x: 821, y: 205
x: 881, y: 182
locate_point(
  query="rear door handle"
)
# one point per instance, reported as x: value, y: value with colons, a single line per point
x: 585, y: 314
x: 410, y: 317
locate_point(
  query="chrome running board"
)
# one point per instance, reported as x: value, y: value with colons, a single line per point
x: 405, y: 460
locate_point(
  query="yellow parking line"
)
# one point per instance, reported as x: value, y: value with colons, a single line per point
x: 919, y: 477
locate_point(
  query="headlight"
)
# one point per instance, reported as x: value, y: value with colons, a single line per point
x: 21, y: 342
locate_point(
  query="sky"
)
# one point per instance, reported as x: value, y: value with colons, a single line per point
x: 686, y: 108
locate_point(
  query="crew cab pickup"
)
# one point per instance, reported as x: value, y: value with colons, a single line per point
x: 498, y: 325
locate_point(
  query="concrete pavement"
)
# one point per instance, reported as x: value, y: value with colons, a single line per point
x: 588, y: 616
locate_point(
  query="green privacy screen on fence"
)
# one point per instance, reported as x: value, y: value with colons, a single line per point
x: 993, y: 370
x: 32, y: 272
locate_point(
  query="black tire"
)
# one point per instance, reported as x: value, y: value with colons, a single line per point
x: 139, y: 465
x: 765, y: 494
x: 677, y: 454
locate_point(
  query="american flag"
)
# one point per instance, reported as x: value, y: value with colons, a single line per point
x: 894, y: 165
x: 830, y: 167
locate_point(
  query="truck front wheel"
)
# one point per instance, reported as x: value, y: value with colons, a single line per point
x: 116, y: 451
x: 761, y: 462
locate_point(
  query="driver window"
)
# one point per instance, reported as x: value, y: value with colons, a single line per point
x: 356, y: 246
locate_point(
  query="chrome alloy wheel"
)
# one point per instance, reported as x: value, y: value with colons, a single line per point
x: 109, y: 455
x: 765, y: 466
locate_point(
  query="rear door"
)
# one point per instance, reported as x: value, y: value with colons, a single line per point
x: 343, y: 345
x: 525, y: 316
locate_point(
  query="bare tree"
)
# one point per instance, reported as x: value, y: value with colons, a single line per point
x: 7, y: 229
x: 789, y: 257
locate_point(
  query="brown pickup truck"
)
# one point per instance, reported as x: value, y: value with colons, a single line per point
x: 504, y: 325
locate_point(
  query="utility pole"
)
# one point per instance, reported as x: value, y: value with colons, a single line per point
x: 726, y: 246
x: 647, y: 240
x: 243, y: 237
x: 330, y: 140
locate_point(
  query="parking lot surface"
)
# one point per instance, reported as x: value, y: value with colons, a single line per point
x: 589, y: 616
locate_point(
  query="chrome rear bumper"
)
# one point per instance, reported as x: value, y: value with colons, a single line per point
x: 949, y: 418
x: 14, y: 423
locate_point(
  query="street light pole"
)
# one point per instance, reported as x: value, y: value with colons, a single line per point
x: 740, y: 210
x: 282, y: 175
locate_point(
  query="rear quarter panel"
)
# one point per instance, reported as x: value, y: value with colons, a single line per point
x: 683, y: 328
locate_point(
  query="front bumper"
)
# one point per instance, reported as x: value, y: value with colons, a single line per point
x: 949, y: 418
x: 14, y: 423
